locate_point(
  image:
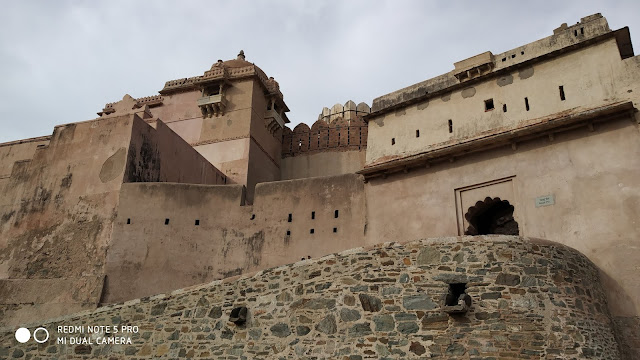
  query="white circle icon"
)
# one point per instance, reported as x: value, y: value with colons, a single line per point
x: 36, y: 331
x: 23, y: 335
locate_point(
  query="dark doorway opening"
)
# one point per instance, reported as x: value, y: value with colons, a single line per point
x: 491, y: 216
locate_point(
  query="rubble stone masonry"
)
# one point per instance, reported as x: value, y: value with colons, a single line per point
x: 531, y: 299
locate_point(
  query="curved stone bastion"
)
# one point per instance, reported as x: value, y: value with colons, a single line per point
x: 530, y: 299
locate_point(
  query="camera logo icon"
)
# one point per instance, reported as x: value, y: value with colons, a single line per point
x: 40, y: 335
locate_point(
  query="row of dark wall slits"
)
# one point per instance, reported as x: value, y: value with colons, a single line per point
x: 339, y: 135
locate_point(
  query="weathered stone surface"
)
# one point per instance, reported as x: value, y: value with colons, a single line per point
x: 370, y: 303
x: 327, y: 325
x: 384, y: 323
x: 359, y: 330
x: 280, y: 330
x: 317, y: 304
x: 408, y: 327
x: 428, y: 255
x: 417, y: 348
x: 508, y: 279
x: 418, y: 302
x: 302, y: 330
x: 349, y: 315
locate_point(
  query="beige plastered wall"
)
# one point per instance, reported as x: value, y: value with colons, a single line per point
x: 147, y: 257
x: 56, y: 213
x: 322, y: 164
x: 591, y: 77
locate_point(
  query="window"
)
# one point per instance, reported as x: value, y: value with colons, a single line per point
x: 393, y: 141
x: 335, y: 230
x: 166, y: 221
x: 561, y: 88
x: 312, y: 231
x: 335, y: 214
x: 313, y: 215
x: 450, y: 126
x: 455, y: 290
x: 417, y: 133
x: 197, y: 222
x: 128, y: 221
x: 290, y: 218
x: 488, y: 105
x: 504, y: 107
x: 288, y: 232
x: 526, y: 103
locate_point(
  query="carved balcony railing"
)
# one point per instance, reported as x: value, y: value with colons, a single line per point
x: 213, y: 105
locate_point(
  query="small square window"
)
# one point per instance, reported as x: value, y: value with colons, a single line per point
x: 166, y: 221
x: 128, y: 221
x: 313, y: 215
x: 288, y: 232
x: 197, y: 222
x: 335, y: 214
x: 335, y: 230
x: 417, y: 133
x: 488, y: 105
x: 290, y: 218
x: 311, y: 231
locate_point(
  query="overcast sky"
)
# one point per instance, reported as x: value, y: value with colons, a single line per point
x: 61, y: 61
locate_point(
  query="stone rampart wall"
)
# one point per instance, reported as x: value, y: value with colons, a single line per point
x: 531, y: 300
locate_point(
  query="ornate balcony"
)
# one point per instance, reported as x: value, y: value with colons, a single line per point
x: 212, y: 105
x: 273, y: 121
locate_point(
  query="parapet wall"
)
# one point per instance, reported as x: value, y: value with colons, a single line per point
x: 530, y: 300
x: 339, y: 135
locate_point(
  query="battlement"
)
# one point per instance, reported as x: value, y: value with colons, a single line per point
x: 339, y: 135
x: 347, y: 111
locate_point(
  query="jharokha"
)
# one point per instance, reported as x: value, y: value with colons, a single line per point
x: 491, y: 212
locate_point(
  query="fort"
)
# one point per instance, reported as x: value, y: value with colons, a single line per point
x: 490, y: 212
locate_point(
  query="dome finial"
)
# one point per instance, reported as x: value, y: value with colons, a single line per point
x: 241, y: 55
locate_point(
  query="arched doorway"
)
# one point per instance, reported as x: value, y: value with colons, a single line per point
x: 491, y: 216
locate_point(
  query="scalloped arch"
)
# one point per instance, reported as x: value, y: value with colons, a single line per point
x: 491, y: 216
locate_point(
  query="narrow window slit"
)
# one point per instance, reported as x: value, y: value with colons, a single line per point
x: 504, y: 107
x: 335, y: 214
x: 417, y: 133
x: 290, y: 218
x: 561, y: 88
x: 128, y: 221
x: 393, y: 141
x: 488, y: 105
x: 313, y: 215
x: 450, y: 126
x: 197, y: 222
x: 335, y: 230
x: 312, y: 231
x: 166, y: 221
x: 526, y: 103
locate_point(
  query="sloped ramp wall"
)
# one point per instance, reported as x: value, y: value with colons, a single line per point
x: 531, y: 300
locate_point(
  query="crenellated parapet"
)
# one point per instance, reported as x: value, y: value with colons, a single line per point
x: 338, y: 135
x: 129, y: 104
x: 347, y: 111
